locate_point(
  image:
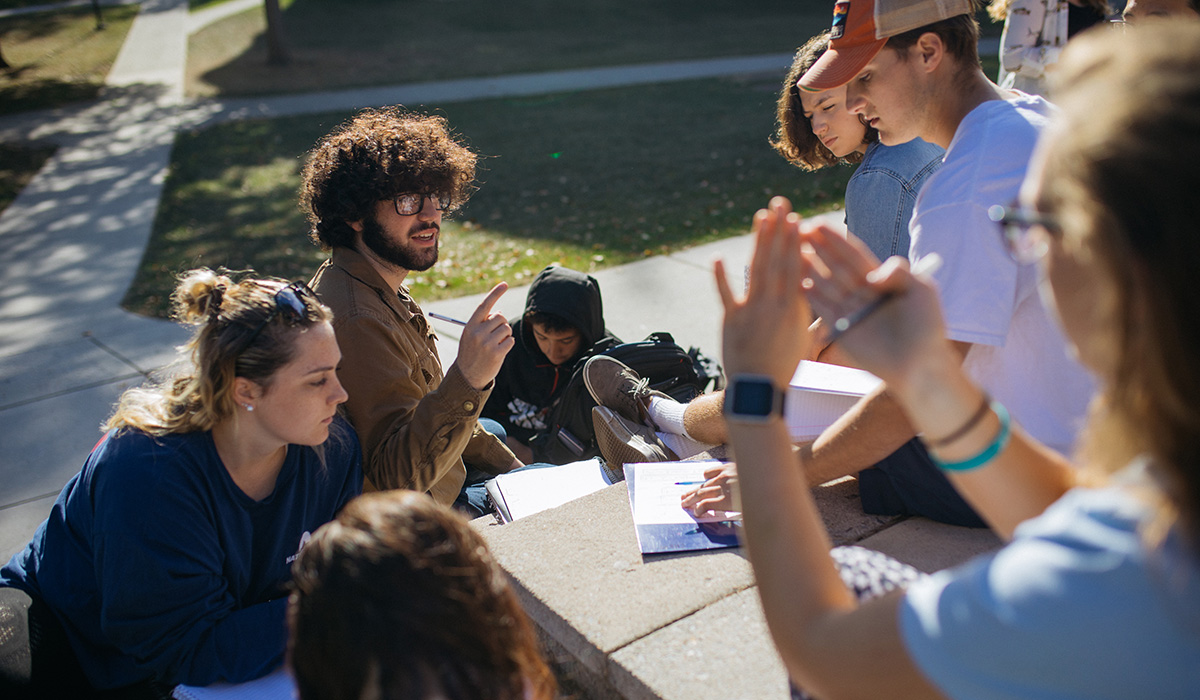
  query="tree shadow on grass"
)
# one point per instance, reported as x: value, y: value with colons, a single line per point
x: 50, y: 91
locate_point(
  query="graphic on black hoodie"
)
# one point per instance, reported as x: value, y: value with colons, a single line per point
x: 528, y: 382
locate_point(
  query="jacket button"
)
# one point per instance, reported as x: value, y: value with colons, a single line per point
x: 469, y: 406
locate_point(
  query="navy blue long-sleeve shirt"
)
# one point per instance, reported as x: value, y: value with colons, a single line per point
x: 158, y: 565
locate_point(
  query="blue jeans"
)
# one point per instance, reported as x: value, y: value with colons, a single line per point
x: 473, y: 500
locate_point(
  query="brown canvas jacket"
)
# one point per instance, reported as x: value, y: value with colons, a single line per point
x: 416, y: 424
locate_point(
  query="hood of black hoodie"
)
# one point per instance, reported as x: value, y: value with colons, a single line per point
x: 570, y: 295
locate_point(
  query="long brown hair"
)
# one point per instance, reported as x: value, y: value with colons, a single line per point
x: 1120, y: 178
x: 230, y: 341
x: 794, y: 138
x: 397, y: 598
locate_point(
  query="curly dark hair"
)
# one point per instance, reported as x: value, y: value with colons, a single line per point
x: 378, y: 154
x: 794, y: 137
x: 399, y: 598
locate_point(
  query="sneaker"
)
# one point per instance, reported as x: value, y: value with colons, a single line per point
x: 615, y: 385
x: 624, y: 442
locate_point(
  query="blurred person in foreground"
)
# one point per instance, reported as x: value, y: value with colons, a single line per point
x: 399, y: 599
x: 1097, y: 592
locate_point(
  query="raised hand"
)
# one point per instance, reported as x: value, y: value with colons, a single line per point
x: 767, y: 331
x: 486, y: 339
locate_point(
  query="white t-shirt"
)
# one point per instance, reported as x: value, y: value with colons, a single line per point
x: 1078, y: 606
x: 1019, y: 355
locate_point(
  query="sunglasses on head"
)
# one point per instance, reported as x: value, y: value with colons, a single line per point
x: 289, y: 301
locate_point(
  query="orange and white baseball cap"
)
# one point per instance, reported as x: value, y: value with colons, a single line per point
x: 862, y: 27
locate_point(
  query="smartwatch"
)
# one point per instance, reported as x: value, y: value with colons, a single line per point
x: 753, y: 398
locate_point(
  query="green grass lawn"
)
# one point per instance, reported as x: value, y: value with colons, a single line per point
x: 344, y: 43
x: 589, y: 179
x: 58, y: 57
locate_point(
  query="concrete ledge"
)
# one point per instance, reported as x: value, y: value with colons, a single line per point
x: 842, y: 512
x: 931, y: 546
x: 723, y: 651
x: 582, y: 580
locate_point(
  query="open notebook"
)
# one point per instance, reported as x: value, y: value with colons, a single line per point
x: 519, y: 494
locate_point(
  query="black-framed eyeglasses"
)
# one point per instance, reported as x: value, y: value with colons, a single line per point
x: 411, y: 203
x: 289, y: 301
x: 1024, y: 231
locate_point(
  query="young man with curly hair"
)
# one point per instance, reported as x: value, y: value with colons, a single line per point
x: 375, y: 190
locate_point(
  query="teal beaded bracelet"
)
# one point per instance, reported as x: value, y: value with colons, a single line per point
x: 988, y: 453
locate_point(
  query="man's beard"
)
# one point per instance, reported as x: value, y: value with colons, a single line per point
x: 408, y: 258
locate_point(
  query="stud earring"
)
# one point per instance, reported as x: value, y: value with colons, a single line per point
x: 248, y: 407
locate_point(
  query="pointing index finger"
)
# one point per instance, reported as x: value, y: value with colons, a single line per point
x: 485, y: 307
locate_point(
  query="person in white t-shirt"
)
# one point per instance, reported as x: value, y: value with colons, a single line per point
x: 928, y: 84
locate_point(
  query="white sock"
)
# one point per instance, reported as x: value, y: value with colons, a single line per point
x: 667, y: 414
x: 682, y: 445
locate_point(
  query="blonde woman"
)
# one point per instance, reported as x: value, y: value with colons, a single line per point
x: 1035, y: 33
x: 1097, y: 592
x: 165, y: 559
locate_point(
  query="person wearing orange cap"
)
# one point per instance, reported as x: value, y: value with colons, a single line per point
x: 911, y: 69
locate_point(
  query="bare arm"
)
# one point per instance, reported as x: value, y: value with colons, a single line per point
x: 831, y: 646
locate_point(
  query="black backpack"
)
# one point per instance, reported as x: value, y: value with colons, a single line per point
x: 681, y: 374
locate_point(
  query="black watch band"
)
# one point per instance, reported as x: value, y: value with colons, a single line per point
x: 753, y: 398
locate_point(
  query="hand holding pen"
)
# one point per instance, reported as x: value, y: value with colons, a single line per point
x: 884, y: 316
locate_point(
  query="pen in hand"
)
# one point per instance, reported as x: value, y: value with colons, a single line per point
x: 927, y: 265
x: 447, y: 319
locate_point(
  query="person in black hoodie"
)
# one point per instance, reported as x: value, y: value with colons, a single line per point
x: 563, y: 322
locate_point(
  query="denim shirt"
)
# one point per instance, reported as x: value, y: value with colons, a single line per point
x: 881, y: 193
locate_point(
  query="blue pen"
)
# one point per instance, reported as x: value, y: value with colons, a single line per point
x: 689, y: 483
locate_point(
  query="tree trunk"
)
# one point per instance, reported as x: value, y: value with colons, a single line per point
x: 277, y: 53
x: 99, y: 17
